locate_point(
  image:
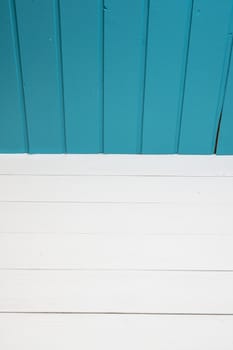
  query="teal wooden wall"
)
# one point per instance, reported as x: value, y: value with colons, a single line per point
x: 116, y: 76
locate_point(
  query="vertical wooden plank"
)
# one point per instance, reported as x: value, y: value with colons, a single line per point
x: 124, y: 54
x: 168, y: 33
x: 12, y: 115
x: 82, y: 41
x: 225, y: 137
x: 40, y: 58
x: 205, y: 70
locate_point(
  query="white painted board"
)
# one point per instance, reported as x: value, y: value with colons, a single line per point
x: 176, y: 292
x: 117, y: 164
x: 103, y: 251
x: 115, y: 332
x: 117, y: 189
x: 116, y: 218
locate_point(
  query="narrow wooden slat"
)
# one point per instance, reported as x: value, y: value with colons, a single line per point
x: 115, y: 332
x: 12, y: 113
x: 205, y: 71
x: 41, y: 75
x: 119, y: 218
x: 225, y: 138
x: 124, y: 55
x: 136, y: 252
x: 117, y: 189
x: 116, y: 291
x: 82, y: 41
x: 137, y: 165
x: 166, y: 58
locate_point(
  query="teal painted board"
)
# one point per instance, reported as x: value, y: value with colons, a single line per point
x: 13, y: 138
x: 168, y: 33
x: 124, y: 56
x: 82, y: 48
x: 116, y: 76
x: 205, y: 71
x: 225, y: 137
x: 38, y: 36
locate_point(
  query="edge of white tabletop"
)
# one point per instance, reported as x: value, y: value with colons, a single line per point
x: 122, y: 165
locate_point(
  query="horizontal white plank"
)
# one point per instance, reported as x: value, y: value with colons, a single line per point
x: 89, y: 164
x: 117, y: 189
x: 116, y: 291
x: 115, y: 332
x: 74, y: 251
x: 116, y: 218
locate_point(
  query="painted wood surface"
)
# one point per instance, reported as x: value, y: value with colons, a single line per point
x: 94, y: 253
x: 124, y: 61
x: 82, y: 55
x: 117, y: 164
x: 112, y: 76
x: 13, y: 134
x: 39, y: 50
x: 107, y: 251
x: 161, y: 332
x: 205, y: 76
x: 225, y: 136
x: 168, y: 35
x: 116, y: 218
x: 176, y: 292
x: 115, y: 189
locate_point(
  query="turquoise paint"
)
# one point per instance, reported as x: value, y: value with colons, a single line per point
x: 82, y: 49
x: 206, y: 59
x: 166, y: 57
x: 225, y: 137
x: 41, y: 79
x: 124, y: 55
x: 12, y: 114
x: 114, y: 76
